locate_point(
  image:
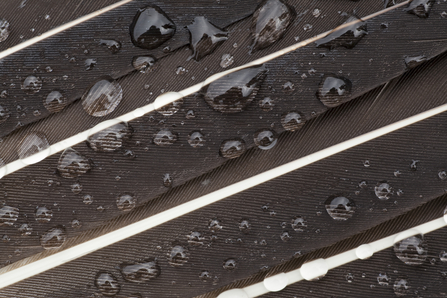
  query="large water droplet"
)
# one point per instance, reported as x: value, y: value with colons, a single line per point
x: 270, y: 21
x: 383, y: 279
x: 383, y: 190
x: 232, y: 148
x: 413, y: 61
x: 32, y: 84
x: 151, y: 27
x: 265, y: 139
x: 230, y: 264
x: 233, y: 92
x: 111, y: 138
x: 196, y: 139
x: 53, y: 238
x: 43, y: 214
x: 348, y: 36
x: 113, y: 45
x: 33, y: 148
x: 126, y: 202
x: 72, y: 164
x: 102, y: 97
x: 340, y: 207
x: 334, y: 90
x: 141, y: 271
x: 143, y: 63
x: 178, y: 256
x: 107, y: 284
x: 205, y: 37
x: 55, y: 101
x: 4, y: 114
x: 8, y: 215
x: 165, y: 137
x: 421, y: 8
x: 4, y: 29
x: 401, y: 287
x: 412, y: 251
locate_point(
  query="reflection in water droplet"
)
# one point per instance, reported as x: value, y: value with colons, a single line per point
x: 265, y: 139
x: 270, y: 21
x: 230, y: 264
x: 334, y: 90
x: 412, y: 251
x: 111, y: 138
x: 25, y: 230
x: 226, y: 61
x: 245, y: 226
x: 53, y: 238
x: 204, y: 37
x: 143, y: 63
x: 125, y: 202
x: 292, y: 121
x: 4, y: 29
x: 8, y: 215
x: 31, y: 144
x: 107, y: 284
x: 401, y: 287
x: 413, y: 61
x: 151, y: 27
x: 383, y: 279
x: 55, y: 102
x: 347, y: 37
x: 383, y: 190
x: 32, y: 85
x: 196, y: 139
x: 165, y: 137
x: 298, y: 223
x: 102, y: 97
x: 43, y: 215
x: 113, y: 45
x: 266, y: 104
x: 178, y: 256
x: 171, y: 108
x: 233, y: 92
x: 141, y: 271
x: 421, y: 8
x: 340, y: 207
x: 4, y: 114
x: 72, y: 164
x: 232, y: 148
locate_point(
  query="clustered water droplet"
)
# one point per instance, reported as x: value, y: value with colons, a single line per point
x: 232, y: 148
x: 140, y: 271
x: 102, y: 97
x: 111, y: 138
x: 340, y: 207
x: 412, y: 250
x: 72, y: 164
x: 334, y: 90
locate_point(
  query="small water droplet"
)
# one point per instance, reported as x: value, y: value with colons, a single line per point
x: 76, y: 187
x: 349, y: 277
x: 334, y: 90
x: 285, y: 236
x: 178, y: 256
x: 55, y: 101
x: 165, y: 137
x: 266, y: 104
x: 363, y: 184
x: 167, y: 180
x: 265, y: 139
x: 383, y: 279
x: 151, y: 27
x: 413, y: 61
x: 244, y: 226
x: 196, y: 139
x: 205, y: 276
x: 292, y: 121
x: 412, y: 250
x: 4, y: 114
x: 72, y: 164
x: 232, y: 148
x: 443, y: 256
x: 8, y: 215
x: 107, y: 284
x: 401, y: 287
x: 53, y: 238
x: 25, y: 229
x: 113, y: 45
x: 298, y: 223
x: 307, y: 27
x: 348, y: 36
x: 181, y: 70
x: 139, y: 272
x: 226, y: 61
x: 124, y: 202
x: 30, y: 147
x: 43, y: 214
x: 339, y: 207
x: 87, y: 199
x: 76, y: 224
x: 196, y: 238
x: 4, y: 30
x: 397, y: 173
x: 383, y: 190
x: 171, y: 108
x: 90, y: 63
x: 421, y: 8
x: 32, y: 84
x: 288, y: 87
x: 389, y: 3
x: 143, y: 63
x: 442, y: 175
x: 190, y: 114
x: 102, y: 97
x: 316, y: 12
x: 111, y: 138
x: 230, y: 264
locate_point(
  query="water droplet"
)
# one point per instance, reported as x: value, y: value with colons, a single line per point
x: 25, y: 230
x: 205, y: 276
x: 298, y: 223
x: 288, y: 86
x: 111, y: 138
x: 33, y: 148
x: 165, y: 137
x: 270, y: 21
x: 4, y: 29
x: 265, y: 138
x: 43, y: 214
x: 214, y: 225
x: 334, y: 90
x: 102, y: 97
x: 349, y: 277
x: 363, y: 184
x: 107, y: 284
x: 347, y: 37
x: 195, y: 238
x: 412, y: 250
x: 401, y: 287
x: 178, y: 256
x: 167, y: 180
x: 443, y: 256
x: 55, y: 102
x: 204, y: 37
x: 232, y: 148
x: 316, y: 12
x: 143, y: 63
x: 413, y: 61
x: 340, y: 207
x: 233, y: 92
x: 389, y: 3
x: 307, y: 27
x: 8, y: 215
x: 32, y: 84
x: 421, y: 8
x: 190, y: 114
x: 292, y: 121
x: 113, y: 45
x: 442, y: 175
x: 366, y: 163
x: 266, y: 104
x: 444, y: 14
x: 285, y: 236
x: 4, y: 114
x: 383, y: 279
x: 226, y: 61
x: 90, y: 63
x: 171, y: 108
x: 397, y: 173
x: 87, y: 199
x: 244, y: 226
x: 76, y: 187
x: 151, y: 27
x: 383, y: 190
x: 196, y: 139
x: 124, y: 202
x: 230, y: 264
x: 140, y: 271
x: 72, y: 164
x: 53, y: 238
x: 76, y: 224
x: 4, y: 94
